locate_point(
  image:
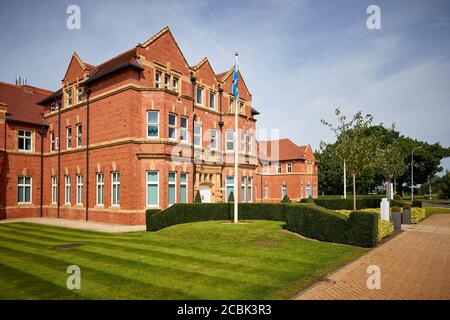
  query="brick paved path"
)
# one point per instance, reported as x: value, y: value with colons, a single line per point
x: 414, y: 265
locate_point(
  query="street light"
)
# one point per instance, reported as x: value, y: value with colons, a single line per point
x: 412, y: 173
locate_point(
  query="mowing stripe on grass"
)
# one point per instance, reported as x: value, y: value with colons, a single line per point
x: 139, y: 271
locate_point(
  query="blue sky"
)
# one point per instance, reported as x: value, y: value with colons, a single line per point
x: 300, y: 59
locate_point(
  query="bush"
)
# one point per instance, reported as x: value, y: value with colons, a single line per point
x: 397, y: 197
x: 347, y: 204
x: 385, y: 228
x: 396, y: 209
x: 407, y: 206
x: 185, y: 213
x: 198, y: 198
x: 417, y: 203
x: 286, y: 199
x: 417, y: 215
x: 310, y: 220
x: 396, y: 203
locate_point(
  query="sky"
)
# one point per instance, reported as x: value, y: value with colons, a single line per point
x: 300, y: 59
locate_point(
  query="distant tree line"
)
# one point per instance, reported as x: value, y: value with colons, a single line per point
x: 375, y: 155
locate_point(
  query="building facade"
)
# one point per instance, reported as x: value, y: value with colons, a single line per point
x: 287, y: 169
x: 141, y: 130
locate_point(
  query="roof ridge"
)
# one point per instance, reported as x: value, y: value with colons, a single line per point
x: 154, y: 37
x: 46, y: 91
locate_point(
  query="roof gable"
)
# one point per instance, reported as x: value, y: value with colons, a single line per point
x: 204, y: 72
x: 163, y: 48
x: 227, y: 81
x: 77, y: 69
x: 283, y: 150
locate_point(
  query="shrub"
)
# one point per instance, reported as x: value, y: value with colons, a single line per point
x: 347, y: 204
x: 407, y: 206
x: 198, y: 198
x: 310, y: 220
x: 286, y: 199
x: 385, y: 228
x: 397, y: 197
x: 396, y: 209
x: 417, y: 215
x: 396, y: 203
x: 185, y: 213
x: 417, y: 203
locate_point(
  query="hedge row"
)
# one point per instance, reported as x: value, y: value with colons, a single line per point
x: 310, y: 220
x: 347, y: 204
x: 194, y: 212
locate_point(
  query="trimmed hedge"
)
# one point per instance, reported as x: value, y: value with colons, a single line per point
x: 417, y: 203
x: 310, y: 220
x: 194, y: 212
x: 347, y: 204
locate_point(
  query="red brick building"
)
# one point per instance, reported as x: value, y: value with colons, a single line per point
x: 287, y: 169
x: 141, y: 130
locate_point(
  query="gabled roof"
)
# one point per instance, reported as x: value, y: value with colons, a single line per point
x: 223, y: 76
x: 287, y: 150
x: 22, y: 104
x: 85, y: 67
x: 202, y: 63
x: 157, y: 36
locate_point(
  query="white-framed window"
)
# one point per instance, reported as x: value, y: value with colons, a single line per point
x: 52, y: 141
x: 54, y: 189
x: 67, y: 187
x: 24, y: 190
x: 183, y: 187
x: 57, y: 143
x: 242, y: 189
x: 152, y: 188
x: 266, y: 168
x: 53, y: 107
x: 229, y: 187
x: 266, y: 191
x: 172, y: 126
x: 250, y: 143
x: 167, y: 81
x: 152, y: 124
x: 199, y: 96
x: 279, y: 168
x: 175, y: 84
x: 79, y: 94
x: 69, y: 137
x: 115, y: 189
x: 172, y: 188
x: 230, y: 106
x: 212, y: 100
x: 241, y: 108
x: 229, y: 140
x: 25, y: 139
x: 242, y: 142
x: 158, y: 79
x: 289, y: 167
x: 184, y: 129
x: 213, y: 135
x: 79, y: 135
x: 100, y: 189
x: 79, y: 193
x: 249, y: 189
x: 283, y: 190
x: 69, y: 97
x: 197, y: 135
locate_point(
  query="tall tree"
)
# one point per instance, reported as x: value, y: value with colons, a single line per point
x: 354, y: 146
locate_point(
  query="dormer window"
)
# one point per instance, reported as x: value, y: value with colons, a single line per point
x: 79, y: 94
x: 69, y: 97
x: 166, y: 82
x: 200, y: 96
x: 175, y: 84
x: 53, y: 107
x: 158, y: 79
x: 289, y: 167
x: 212, y: 100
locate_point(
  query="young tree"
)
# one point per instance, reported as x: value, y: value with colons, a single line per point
x: 198, y: 198
x: 354, y: 146
x: 390, y: 163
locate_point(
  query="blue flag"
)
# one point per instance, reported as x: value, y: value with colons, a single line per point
x: 235, y: 82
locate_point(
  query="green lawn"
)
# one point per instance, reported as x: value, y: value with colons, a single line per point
x: 429, y: 211
x: 205, y: 260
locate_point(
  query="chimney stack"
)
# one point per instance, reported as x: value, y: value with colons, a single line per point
x: 21, y: 81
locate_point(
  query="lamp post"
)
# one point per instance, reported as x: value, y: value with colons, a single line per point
x: 412, y: 173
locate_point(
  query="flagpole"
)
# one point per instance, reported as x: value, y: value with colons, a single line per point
x: 236, y: 144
